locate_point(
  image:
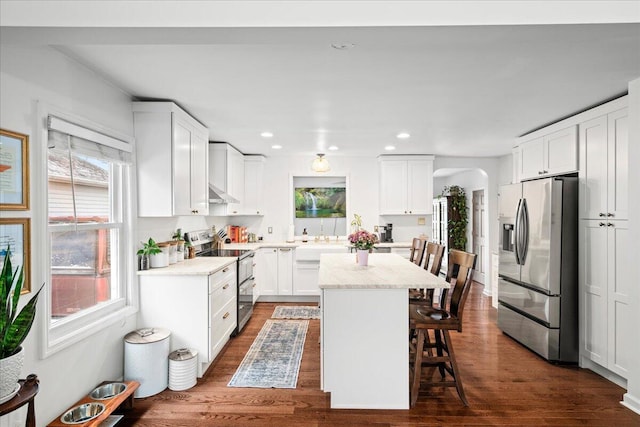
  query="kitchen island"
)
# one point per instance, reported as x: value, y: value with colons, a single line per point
x: 365, y: 328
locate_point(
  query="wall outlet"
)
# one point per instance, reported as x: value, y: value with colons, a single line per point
x: 270, y: 230
x: 422, y: 221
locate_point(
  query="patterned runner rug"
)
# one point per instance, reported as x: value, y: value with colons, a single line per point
x: 295, y: 312
x: 273, y: 361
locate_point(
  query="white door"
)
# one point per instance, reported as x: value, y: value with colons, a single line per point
x: 285, y: 271
x: 478, y: 233
x: 268, y: 282
x: 593, y: 165
x: 181, y: 168
x: 532, y: 155
x: 594, y: 277
x: 620, y: 285
x: 618, y: 171
x: 393, y: 187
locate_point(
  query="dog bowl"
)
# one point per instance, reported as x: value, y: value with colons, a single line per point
x: 82, y: 413
x: 107, y: 391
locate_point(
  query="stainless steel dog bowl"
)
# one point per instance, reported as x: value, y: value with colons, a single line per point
x: 83, y: 413
x: 107, y: 391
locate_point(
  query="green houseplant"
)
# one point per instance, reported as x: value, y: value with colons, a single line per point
x: 14, y: 325
x: 457, y: 221
x: 144, y: 254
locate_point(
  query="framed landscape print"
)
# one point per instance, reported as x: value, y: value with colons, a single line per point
x: 14, y: 170
x: 16, y: 233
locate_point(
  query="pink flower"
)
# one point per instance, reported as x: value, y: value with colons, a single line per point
x: 362, y: 239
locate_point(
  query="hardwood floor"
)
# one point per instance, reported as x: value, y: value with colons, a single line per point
x: 505, y: 384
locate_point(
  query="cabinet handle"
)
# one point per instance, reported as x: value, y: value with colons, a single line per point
x: 225, y: 270
x: 235, y: 211
x: 254, y: 285
x: 285, y: 250
x: 602, y: 224
x: 610, y: 215
x: 539, y: 172
x: 601, y: 214
x: 545, y: 171
x: 609, y: 224
x: 225, y: 315
x: 226, y: 286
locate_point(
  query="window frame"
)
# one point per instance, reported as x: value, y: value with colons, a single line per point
x: 62, y: 333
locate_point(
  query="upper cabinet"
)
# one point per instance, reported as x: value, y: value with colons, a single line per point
x: 253, y: 185
x: 172, y: 161
x: 226, y: 172
x: 406, y: 185
x: 604, y: 146
x: 555, y: 153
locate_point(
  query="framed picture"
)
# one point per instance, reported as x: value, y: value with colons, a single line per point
x: 16, y: 232
x: 329, y: 202
x: 14, y: 171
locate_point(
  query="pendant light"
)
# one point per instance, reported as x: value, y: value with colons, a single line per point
x: 320, y: 164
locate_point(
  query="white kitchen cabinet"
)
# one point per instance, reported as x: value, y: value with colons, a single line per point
x: 172, y: 161
x: 227, y: 173
x: 605, y: 294
x: 275, y: 275
x: 199, y: 310
x: 253, y: 185
x: 604, y: 183
x: 406, y: 185
x: 553, y: 154
x: 307, y: 266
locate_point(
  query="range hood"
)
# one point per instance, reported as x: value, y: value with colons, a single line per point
x: 216, y: 195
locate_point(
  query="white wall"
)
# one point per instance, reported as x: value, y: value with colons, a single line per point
x: 29, y: 74
x: 632, y: 397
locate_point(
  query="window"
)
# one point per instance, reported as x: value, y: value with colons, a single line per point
x: 88, y: 177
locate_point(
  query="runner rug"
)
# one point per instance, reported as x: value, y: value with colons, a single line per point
x: 295, y: 312
x: 273, y: 361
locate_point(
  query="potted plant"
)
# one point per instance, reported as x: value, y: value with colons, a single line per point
x: 457, y: 221
x: 14, y: 326
x: 148, y: 249
x: 363, y: 241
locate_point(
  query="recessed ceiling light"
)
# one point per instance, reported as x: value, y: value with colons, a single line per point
x: 390, y: 147
x: 333, y: 148
x: 403, y: 135
x: 276, y: 147
x: 266, y: 135
x: 343, y: 46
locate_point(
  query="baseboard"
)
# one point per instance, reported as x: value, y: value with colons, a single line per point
x: 631, y: 402
x: 603, y: 372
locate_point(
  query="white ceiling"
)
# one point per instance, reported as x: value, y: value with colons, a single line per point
x: 458, y: 90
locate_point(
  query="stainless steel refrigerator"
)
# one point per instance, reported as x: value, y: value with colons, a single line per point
x: 538, y: 270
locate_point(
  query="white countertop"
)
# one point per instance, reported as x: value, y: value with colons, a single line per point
x: 299, y: 243
x: 385, y: 271
x: 195, y: 267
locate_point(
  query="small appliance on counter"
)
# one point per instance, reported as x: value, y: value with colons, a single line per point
x: 386, y: 233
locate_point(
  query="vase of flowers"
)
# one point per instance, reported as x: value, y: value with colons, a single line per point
x: 363, y: 241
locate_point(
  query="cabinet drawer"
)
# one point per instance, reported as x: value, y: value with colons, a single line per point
x: 222, y: 294
x: 220, y: 278
x: 222, y: 325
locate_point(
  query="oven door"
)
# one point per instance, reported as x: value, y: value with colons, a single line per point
x: 245, y: 268
x: 245, y: 302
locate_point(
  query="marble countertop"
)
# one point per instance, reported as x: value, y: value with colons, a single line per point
x: 191, y: 267
x: 385, y: 271
x: 298, y: 243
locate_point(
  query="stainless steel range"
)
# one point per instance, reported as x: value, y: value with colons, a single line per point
x: 202, y: 241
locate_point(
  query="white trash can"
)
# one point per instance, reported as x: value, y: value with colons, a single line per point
x: 145, y: 360
x: 183, y: 369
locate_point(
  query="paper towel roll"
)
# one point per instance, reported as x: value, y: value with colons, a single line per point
x: 291, y: 234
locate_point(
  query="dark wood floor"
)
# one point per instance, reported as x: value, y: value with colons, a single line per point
x: 505, y: 384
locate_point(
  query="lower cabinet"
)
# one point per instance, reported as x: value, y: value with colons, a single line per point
x: 605, y: 296
x: 275, y: 275
x: 305, y: 278
x: 199, y: 310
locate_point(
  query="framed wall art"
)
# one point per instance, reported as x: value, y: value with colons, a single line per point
x: 14, y: 171
x: 16, y: 233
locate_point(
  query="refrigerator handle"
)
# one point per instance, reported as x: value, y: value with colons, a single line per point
x: 525, y: 231
x: 516, y: 233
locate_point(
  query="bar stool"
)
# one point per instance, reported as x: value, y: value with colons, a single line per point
x: 424, y: 318
x: 417, y: 250
x: 432, y: 262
